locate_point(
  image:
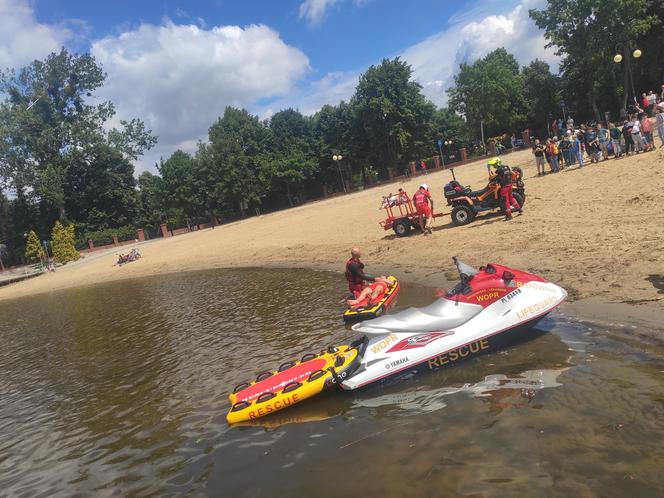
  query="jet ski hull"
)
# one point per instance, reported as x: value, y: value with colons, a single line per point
x: 404, y: 367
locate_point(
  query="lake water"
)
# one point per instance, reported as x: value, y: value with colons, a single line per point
x: 122, y: 388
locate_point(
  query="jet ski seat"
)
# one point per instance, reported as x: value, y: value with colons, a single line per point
x: 442, y: 314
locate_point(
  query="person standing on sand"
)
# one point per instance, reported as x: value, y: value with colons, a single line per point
x: 646, y: 132
x: 577, y: 149
x: 604, y: 137
x: 504, y: 177
x: 355, y: 273
x: 660, y: 124
x: 627, y: 135
x: 421, y: 200
x: 592, y: 145
x: 636, y: 134
x: 615, y: 133
x: 553, y: 151
x: 538, y: 152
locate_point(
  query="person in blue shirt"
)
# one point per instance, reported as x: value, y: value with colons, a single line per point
x: 577, y: 149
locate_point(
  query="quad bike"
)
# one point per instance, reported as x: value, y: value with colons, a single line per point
x: 466, y: 203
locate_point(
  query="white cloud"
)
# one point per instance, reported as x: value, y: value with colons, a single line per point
x: 179, y: 78
x: 314, y: 10
x: 436, y: 59
x: 22, y: 38
x: 331, y: 89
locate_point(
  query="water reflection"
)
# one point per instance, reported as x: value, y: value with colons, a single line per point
x: 122, y: 388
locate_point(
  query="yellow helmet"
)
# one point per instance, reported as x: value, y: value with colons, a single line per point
x: 495, y: 162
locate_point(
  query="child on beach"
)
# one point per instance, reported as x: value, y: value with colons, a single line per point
x: 577, y: 149
x: 553, y: 150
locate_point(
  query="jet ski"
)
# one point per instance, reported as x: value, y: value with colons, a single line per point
x: 488, y: 309
x: 368, y: 308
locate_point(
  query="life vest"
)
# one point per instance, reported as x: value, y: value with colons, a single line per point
x: 419, y: 198
x: 504, y: 176
x: 352, y: 278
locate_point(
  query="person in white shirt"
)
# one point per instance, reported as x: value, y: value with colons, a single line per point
x: 636, y: 135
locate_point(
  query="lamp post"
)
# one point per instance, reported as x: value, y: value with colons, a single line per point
x: 448, y: 142
x: 624, y: 52
x: 336, y: 158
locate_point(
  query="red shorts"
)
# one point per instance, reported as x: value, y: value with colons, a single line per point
x: 355, y: 289
x: 423, y: 209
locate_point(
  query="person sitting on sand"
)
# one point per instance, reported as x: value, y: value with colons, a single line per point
x: 371, y: 292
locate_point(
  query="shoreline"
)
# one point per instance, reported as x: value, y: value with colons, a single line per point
x: 581, y: 228
x: 643, y: 319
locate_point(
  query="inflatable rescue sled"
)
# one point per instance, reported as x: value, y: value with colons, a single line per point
x: 292, y: 382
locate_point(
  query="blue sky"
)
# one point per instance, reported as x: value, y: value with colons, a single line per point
x: 177, y: 64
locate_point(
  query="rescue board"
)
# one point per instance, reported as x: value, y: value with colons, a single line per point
x: 368, y: 310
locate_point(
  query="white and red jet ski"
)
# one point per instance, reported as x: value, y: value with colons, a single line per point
x: 490, y: 308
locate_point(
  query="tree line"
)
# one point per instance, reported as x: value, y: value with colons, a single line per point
x: 60, y: 160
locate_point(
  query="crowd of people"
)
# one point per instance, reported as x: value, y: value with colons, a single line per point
x: 594, y: 142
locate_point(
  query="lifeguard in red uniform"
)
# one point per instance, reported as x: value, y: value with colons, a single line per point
x: 355, y: 273
x: 421, y: 199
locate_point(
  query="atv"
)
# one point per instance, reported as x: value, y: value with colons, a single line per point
x: 467, y: 204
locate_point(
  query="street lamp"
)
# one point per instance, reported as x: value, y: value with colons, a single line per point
x: 623, y: 53
x: 446, y: 143
x: 336, y: 158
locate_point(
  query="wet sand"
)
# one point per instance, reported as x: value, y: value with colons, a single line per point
x: 597, y: 231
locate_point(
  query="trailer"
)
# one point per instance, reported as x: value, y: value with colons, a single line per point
x: 402, y: 216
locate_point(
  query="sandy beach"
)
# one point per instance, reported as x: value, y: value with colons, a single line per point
x: 597, y: 231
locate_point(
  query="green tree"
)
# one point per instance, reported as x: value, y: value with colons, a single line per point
x: 395, y: 117
x: 62, y: 243
x: 585, y: 33
x: 292, y: 159
x: 33, y: 247
x: 151, y: 207
x: 542, y: 91
x: 49, y: 122
x: 178, y: 188
x: 238, y: 146
x: 448, y: 125
x: 337, y: 131
x: 491, y: 91
x: 100, y: 189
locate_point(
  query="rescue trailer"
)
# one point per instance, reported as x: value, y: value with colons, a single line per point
x: 402, y: 216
